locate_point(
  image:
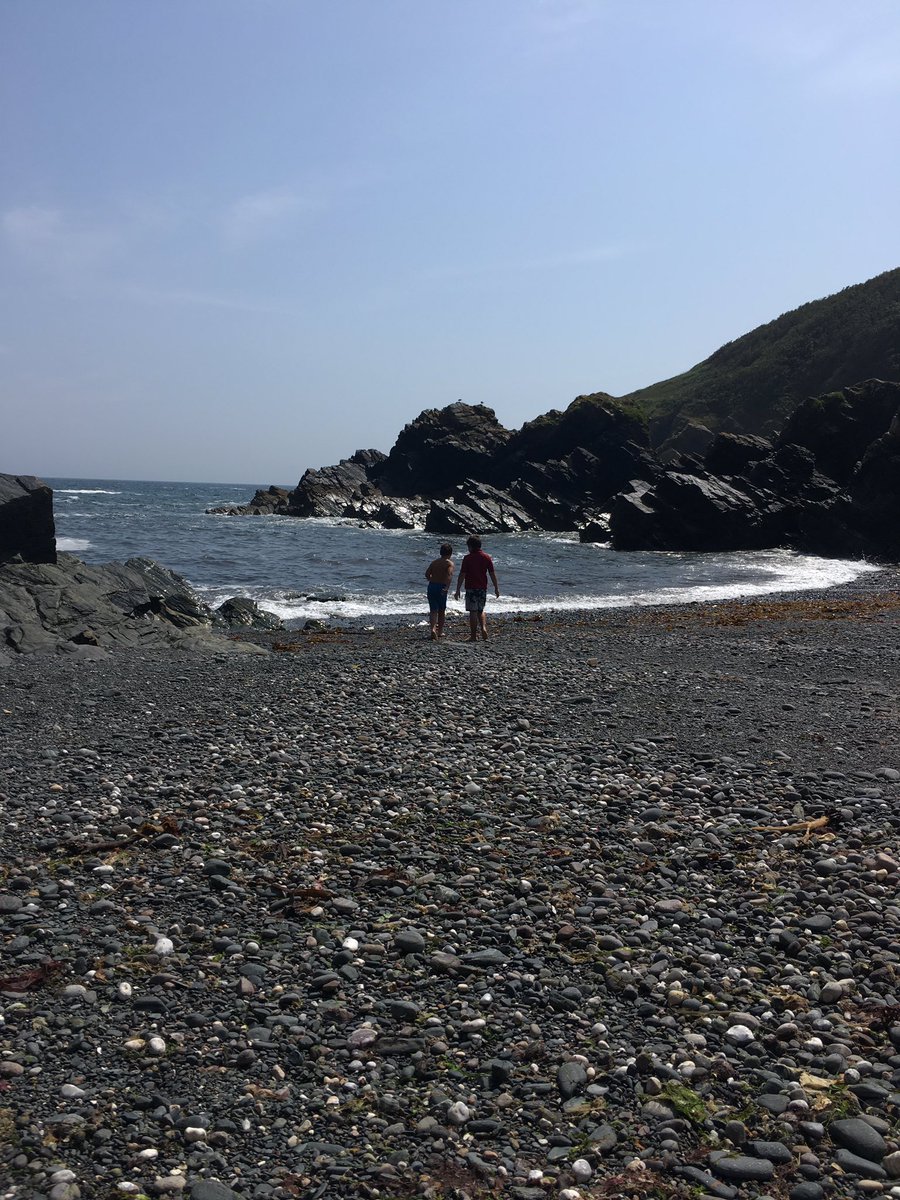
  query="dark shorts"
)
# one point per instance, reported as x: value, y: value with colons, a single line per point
x: 475, y: 599
x: 437, y: 596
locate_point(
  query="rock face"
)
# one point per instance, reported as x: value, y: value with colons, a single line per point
x: 440, y: 448
x: 71, y: 607
x: 830, y: 485
x: 457, y: 469
x: 827, y: 484
x: 26, y: 520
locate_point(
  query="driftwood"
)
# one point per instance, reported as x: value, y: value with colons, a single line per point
x: 800, y: 827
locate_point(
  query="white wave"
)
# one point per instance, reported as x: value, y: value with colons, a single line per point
x: 783, y: 573
x: 72, y: 545
x: 85, y: 492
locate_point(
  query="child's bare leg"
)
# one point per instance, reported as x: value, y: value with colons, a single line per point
x: 473, y: 627
x: 432, y: 620
x: 482, y: 620
x: 442, y: 615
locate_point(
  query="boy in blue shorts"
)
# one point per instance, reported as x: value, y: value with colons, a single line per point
x: 439, y: 574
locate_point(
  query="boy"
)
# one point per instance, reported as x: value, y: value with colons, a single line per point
x: 474, y: 569
x: 439, y: 574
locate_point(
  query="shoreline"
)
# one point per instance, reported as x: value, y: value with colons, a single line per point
x: 606, y: 906
x: 879, y: 577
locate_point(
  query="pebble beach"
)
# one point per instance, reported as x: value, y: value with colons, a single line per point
x: 605, y: 907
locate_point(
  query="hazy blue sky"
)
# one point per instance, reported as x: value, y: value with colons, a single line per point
x: 243, y: 237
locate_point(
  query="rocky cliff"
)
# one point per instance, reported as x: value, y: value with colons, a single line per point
x: 827, y: 482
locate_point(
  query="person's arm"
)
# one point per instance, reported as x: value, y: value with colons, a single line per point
x: 493, y: 575
x: 428, y: 572
x: 459, y: 579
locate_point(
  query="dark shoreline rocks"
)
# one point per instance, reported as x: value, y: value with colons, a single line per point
x: 337, y: 921
x: 56, y: 603
x: 27, y: 529
x: 828, y: 484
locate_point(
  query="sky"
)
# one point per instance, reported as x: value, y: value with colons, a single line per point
x: 240, y: 238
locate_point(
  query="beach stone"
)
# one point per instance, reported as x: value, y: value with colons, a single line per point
x: 855, y: 1164
x: 859, y: 1138
x: 211, y: 1189
x: 742, y: 1169
x: 409, y: 941
x: 570, y: 1079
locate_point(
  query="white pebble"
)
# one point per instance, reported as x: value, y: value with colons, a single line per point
x: 458, y: 1113
x: 164, y: 946
x: 740, y: 1035
x: 350, y: 944
x: 156, y: 1046
x: 124, y: 990
x: 582, y: 1170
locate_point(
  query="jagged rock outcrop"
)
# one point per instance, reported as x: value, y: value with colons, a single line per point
x: 839, y: 427
x: 874, y: 513
x: 265, y: 502
x: 440, y: 448
x: 475, y: 505
x: 240, y: 612
x: 72, y: 607
x: 825, y: 484
x: 328, y: 491
x: 835, y: 490
x: 732, y: 453
x: 27, y: 528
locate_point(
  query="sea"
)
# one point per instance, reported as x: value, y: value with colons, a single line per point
x: 336, y: 571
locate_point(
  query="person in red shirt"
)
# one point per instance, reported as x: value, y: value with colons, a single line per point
x: 474, y: 571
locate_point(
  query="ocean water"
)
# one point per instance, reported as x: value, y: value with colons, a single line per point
x: 336, y: 571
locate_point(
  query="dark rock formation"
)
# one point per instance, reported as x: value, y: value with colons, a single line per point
x: 691, y: 437
x: 440, y: 448
x: 874, y: 514
x: 242, y: 613
x: 69, y: 606
x: 835, y: 490
x: 838, y: 428
x: 328, y: 491
x: 825, y: 485
x: 265, y: 502
x: 731, y: 453
x: 476, y: 505
x: 26, y: 520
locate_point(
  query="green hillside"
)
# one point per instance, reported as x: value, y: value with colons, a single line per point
x: 751, y: 384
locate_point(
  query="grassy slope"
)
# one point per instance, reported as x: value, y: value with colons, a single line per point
x: 751, y: 384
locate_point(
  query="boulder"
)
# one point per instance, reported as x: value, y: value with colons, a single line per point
x: 27, y: 528
x: 596, y: 530
x: 477, y: 507
x: 387, y: 512
x: 440, y: 448
x: 240, y: 612
x: 686, y: 512
x: 265, y: 502
x: 73, y: 607
x: 330, y: 491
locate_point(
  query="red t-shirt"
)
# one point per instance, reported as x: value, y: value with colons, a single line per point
x: 475, y: 567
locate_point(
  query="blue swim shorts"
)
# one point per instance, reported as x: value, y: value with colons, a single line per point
x: 437, y: 596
